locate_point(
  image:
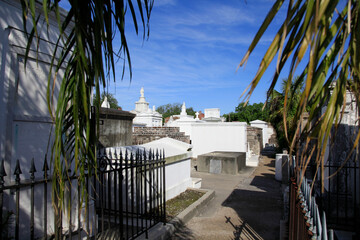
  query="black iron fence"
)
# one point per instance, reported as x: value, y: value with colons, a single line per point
x: 131, y: 193
x: 126, y: 198
x: 340, y: 198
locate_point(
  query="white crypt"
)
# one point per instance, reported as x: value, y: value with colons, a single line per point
x: 145, y: 116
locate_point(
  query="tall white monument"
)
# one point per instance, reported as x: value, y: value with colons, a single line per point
x: 141, y: 105
x: 105, y: 103
x: 183, y: 110
x: 146, y: 116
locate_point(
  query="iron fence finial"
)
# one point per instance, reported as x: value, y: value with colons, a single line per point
x: 45, y: 166
x: 32, y: 167
x: 32, y: 170
x: 2, y: 169
x: 17, y: 171
x: 2, y: 173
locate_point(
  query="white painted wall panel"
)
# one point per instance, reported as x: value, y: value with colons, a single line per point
x: 209, y: 137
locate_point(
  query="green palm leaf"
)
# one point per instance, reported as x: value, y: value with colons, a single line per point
x: 84, y: 50
x: 329, y: 32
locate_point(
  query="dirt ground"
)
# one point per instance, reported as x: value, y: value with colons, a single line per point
x: 245, y: 206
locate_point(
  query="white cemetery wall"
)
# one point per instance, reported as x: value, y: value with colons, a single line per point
x: 177, y: 175
x: 23, y: 103
x: 185, y: 127
x: 25, y: 123
x: 219, y: 136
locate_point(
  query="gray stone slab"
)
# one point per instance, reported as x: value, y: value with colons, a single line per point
x: 215, y: 166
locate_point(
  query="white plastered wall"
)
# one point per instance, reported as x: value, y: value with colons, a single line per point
x: 219, y: 136
x: 25, y: 123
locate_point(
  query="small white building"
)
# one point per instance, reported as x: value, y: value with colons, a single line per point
x: 213, y: 115
x: 146, y: 116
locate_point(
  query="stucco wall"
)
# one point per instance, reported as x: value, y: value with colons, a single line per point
x: 265, y: 130
x: 115, y: 127
x: 25, y: 123
x: 177, y: 177
x: 209, y: 137
x: 254, y: 139
x: 26, y: 128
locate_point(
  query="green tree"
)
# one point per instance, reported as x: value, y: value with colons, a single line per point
x: 329, y: 31
x: 277, y: 110
x: 248, y: 113
x: 170, y: 109
x: 110, y: 97
x: 231, y: 117
x: 85, y: 50
x: 190, y: 111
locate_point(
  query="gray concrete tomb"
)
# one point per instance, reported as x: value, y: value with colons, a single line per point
x: 221, y: 162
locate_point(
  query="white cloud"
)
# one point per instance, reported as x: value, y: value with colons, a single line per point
x: 208, y: 14
x: 158, y: 3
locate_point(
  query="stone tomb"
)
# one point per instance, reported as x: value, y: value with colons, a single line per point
x: 221, y: 162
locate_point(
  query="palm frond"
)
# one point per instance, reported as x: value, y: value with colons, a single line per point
x: 329, y: 32
x: 84, y: 50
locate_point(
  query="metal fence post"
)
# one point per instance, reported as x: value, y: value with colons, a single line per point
x: 2, y: 175
x: 17, y: 173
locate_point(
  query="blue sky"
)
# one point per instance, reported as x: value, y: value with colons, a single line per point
x: 193, y: 52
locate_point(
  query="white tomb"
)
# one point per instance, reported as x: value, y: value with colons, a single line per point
x: 213, y: 134
x: 146, y: 116
x: 178, y: 163
x: 213, y: 115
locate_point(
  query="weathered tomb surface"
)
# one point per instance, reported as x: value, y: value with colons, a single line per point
x: 115, y: 127
x: 219, y: 162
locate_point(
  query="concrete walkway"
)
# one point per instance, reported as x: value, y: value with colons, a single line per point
x: 245, y: 206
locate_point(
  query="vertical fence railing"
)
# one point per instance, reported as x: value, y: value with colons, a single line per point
x: 306, y: 219
x: 340, y: 200
x: 127, y: 195
x: 136, y: 202
x: 27, y: 211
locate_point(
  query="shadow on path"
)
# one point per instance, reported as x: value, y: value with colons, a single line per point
x: 243, y: 230
x: 181, y: 232
x: 258, y: 205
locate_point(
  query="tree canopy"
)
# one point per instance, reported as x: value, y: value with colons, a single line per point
x: 110, y: 97
x: 329, y: 32
x: 170, y: 109
x: 248, y: 113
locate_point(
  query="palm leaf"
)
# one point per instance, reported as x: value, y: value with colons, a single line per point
x: 85, y: 53
x: 331, y: 38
